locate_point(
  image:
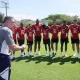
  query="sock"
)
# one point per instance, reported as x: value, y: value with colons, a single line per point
x: 34, y: 52
x: 47, y: 52
x: 74, y: 52
x: 21, y: 53
x: 13, y: 55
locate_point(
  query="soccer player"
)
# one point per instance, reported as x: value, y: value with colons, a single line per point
x: 15, y: 40
x: 54, y: 29
x: 64, y: 37
x: 74, y: 28
x: 37, y: 33
x: 29, y: 34
x: 6, y: 43
x: 46, y: 39
x: 21, y: 37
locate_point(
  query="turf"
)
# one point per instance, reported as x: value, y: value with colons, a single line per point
x: 46, y: 68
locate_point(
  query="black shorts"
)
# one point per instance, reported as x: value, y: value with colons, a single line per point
x: 20, y: 42
x: 46, y: 41
x: 38, y: 39
x: 15, y: 41
x: 75, y: 41
x: 5, y: 65
x: 64, y: 40
x: 29, y: 42
x: 54, y: 40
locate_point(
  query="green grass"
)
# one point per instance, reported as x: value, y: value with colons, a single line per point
x: 46, y: 68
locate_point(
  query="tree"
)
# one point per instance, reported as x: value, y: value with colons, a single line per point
x: 1, y: 18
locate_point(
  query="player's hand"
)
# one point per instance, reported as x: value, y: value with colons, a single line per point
x: 23, y: 47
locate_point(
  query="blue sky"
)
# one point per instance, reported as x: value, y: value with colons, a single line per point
x: 33, y: 9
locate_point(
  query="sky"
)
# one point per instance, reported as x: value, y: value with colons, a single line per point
x: 33, y: 9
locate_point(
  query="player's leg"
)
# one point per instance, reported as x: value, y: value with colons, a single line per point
x: 13, y: 58
x: 46, y: 49
x: 62, y: 48
x: 73, y: 48
x: 30, y: 49
x: 31, y: 43
x: 39, y: 47
x: 56, y: 48
x: 61, y: 41
x: 77, y: 46
x: 49, y: 48
x: 73, y: 41
x: 35, y: 46
x: 39, y: 42
x: 52, y: 43
x: 65, y: 49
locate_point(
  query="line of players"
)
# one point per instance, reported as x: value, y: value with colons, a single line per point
x: 35, y: 32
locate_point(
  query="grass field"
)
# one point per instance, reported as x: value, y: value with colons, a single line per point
x: 46, y: 68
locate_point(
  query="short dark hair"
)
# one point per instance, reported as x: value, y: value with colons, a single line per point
x: 7, y: 18
x: 64, y: 21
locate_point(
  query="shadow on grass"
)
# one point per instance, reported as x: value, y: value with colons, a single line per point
x: 49, y: 59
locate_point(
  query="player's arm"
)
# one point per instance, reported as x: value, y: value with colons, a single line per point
x: 15, y: 47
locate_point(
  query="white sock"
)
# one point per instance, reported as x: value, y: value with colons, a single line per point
x: 21, y: 53
x: 34, y: 52
x: 46, y: 51
x: 13, y: 55
x: 55, y: 51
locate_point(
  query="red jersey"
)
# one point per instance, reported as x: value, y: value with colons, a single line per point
x: 46, y: 33
x: 37, y: 29
x: 74, y: 31
x: 21, y: 33
x: 15, y: 32
x: 64, y: 31
x: 29, y: 34
x: 54, y: 30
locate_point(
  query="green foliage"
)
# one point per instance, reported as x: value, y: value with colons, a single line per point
x: 59, y: 18
x: 1, y: 18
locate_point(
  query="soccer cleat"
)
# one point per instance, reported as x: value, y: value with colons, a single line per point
x: 65, y: 55
x: 53, y: 54
x: 74, y: 54
x: 62, y: 55
x: 24, y: 54
x: 47, y: 54
x: 13, y: 58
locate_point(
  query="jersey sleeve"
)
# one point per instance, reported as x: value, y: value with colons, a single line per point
x: 8, y: 38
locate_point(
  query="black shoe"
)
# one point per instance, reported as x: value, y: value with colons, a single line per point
x: 13, y: 59
x: 53, y: 54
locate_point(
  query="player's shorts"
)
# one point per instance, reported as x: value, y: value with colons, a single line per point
x: 75, y: 41
x: 5, y: 65
x: 20, y: 42
x: 29, y: 42
x: 38, y: 39
x: 46, y: 41
x: 56, y: 40
x: 64, y: 40
x: 15, y: 41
